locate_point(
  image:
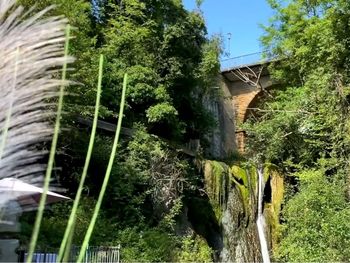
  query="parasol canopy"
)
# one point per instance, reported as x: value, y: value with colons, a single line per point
x: 27, y: 195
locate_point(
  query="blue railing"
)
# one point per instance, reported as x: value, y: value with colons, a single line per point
x: 242, y: 61
x: 92, y: 255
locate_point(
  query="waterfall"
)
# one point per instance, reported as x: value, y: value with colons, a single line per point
x: 261, y: 220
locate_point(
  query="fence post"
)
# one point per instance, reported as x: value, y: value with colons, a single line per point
x: 118, y: 254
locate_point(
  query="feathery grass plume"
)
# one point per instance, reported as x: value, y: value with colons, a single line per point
x: 32, y: 53
x: 31, y: 50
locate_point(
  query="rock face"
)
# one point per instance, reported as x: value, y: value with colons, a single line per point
x: 222, y: 141
x: 232, y: 193
x: 232, y: 187
x: 241, y: 242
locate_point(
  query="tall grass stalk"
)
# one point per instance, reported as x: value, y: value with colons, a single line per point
x: 41, y: 207
x: 71, y: 222
x: 107, y: 175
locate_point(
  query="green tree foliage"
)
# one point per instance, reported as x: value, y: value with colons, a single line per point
x: 138, y: 243
x: 84, y: 46
x: 55, y: 222
x: 171, y: 66
x: 146, y: 180
x: 194, y: 249
x: 147, y: 245
x: 318, y: 228
x: 309, y: 118
x: 163, y: 47
x: 304, y: 126
x: 170, y: 62
x: 311, y: 36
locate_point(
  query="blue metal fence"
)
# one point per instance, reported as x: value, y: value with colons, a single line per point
x: 93, y: 255
x: 41, y: 257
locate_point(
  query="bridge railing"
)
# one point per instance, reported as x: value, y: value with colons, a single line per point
x: 242, y: 61
x: 94, y: 254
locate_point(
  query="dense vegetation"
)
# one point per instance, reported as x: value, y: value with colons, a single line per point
x: 304, y: 128
x: 172, y: 66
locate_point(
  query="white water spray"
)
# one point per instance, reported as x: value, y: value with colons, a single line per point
x: 261, y: 220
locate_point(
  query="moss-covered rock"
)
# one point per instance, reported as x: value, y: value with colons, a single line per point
x: 273, y: 209
x: 233, y: 192
x: 240, y: 177
x: 217, y: 184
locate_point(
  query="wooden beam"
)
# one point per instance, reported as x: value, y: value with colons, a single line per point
x: 110, y: 127
x: 106, y: 126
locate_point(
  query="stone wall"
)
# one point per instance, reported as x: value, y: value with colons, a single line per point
x: 238, y: 96
x: 222, y: 141
x: 244, y: 87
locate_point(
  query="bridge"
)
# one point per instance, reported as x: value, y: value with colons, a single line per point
x: 243, y: 80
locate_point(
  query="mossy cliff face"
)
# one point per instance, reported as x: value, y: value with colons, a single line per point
x: 217, y: 185
x: 274, y: 189
x: 232, y: 191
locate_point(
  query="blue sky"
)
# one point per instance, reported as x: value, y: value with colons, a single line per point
x: 241, y: 18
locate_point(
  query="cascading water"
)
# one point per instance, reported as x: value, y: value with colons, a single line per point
x: 236, y: 195
x: 261, y: 220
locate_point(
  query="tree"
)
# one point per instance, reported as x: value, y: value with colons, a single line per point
x: 171, y: 65
x: 163, y: 47
x: 84, y: 46
x: 170, y: 62
x: 305, y: 126
x: 311, y: 110
x: 318, y: 228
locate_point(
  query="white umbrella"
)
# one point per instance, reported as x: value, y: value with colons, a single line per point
x: 27, y: 195
x: 16, y: 197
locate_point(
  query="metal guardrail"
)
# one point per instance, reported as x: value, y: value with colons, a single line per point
x: 98, y: 254
x: 242, y: 61
x: 92, y: 255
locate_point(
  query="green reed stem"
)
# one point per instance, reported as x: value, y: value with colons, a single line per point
x: 42, y: 202
x: 70, y: 226
x: 107, y: 175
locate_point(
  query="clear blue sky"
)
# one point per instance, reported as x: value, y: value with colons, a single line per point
x: 241, y: 18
